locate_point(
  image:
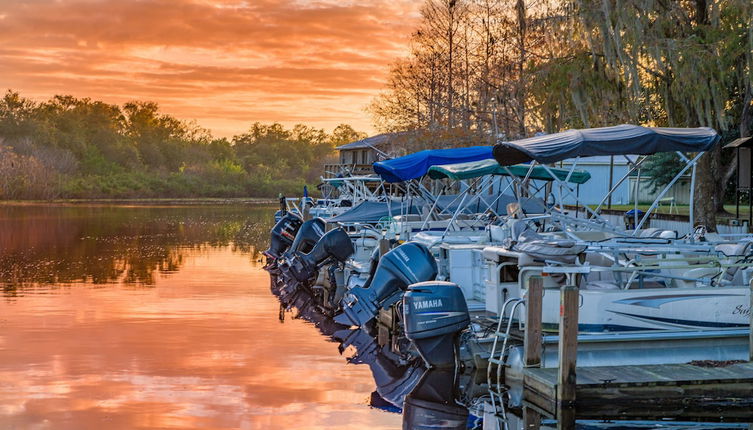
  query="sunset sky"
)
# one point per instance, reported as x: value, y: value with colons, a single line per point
x: 225, y: 64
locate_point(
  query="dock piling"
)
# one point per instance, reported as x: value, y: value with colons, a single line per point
x: 384, y: 246
x: 532, y: 335
x: 531, y: 419
x: 568, y: 345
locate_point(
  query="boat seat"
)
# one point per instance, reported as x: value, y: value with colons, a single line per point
x: 734, y: 250
x: 657, y: 233
x: 600, y: 286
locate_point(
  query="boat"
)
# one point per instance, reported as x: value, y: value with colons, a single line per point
x: 641, y: 288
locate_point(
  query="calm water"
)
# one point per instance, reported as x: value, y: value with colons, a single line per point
x: 159, y: 318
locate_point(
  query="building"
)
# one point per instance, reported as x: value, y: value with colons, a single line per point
x: 597, y: 187
x: 357, y: 157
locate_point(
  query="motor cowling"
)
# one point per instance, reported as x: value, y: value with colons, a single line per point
x: 308, y: 234
x: 431, y: 404
x: 297, y: 268
x: 407, y: 264
x: 435, y: 313
x: 283, y: 235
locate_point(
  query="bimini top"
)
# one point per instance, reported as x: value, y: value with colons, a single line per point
x: 475, y: 169
x: 618, y: 140
x: 371, y: 211
x: 415, y: 165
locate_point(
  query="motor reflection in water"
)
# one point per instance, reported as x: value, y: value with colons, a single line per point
x: 428, y: 398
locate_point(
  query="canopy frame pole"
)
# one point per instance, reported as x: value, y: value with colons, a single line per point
x: 691, y: 214
x: 692, y: 163
x: 431, y: 210
x: 461, y: 207
x: 636, y: 194
x: 520, y: 183
x: 481, y: 184
x: 615, y: 186
x: 453, y: 200
x: 499, y: 194
x: 567, y: 189
x: 454, y: 215
x: 572, y: 168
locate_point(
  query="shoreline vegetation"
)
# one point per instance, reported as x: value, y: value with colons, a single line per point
x: 78, y: 148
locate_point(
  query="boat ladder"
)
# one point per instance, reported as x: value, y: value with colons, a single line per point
x: 498, y: 355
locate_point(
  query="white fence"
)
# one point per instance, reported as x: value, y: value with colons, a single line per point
x: 681, y: 227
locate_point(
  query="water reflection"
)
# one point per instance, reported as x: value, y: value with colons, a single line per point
x: 84, y: 346
x: 47, y: 244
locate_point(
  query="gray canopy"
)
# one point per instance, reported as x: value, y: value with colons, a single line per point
x: 370, y: 211
x: 618, y: 140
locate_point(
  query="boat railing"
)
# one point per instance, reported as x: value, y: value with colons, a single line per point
x: 640, y: 268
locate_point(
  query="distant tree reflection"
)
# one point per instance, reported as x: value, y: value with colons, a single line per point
x: 52, y: 245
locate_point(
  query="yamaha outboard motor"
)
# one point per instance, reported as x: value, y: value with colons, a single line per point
x: 298, y: 269
x: 282, y: 236
x: 432, y: 405
x: 435, y: 313
x: 407, y: 264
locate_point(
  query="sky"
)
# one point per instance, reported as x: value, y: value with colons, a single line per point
x: 224, y: 64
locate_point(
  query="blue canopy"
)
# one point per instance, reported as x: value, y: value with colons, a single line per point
x: 618, y: 140
x: 415, y: 165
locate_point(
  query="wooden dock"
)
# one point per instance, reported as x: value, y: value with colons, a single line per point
x: 668, y: 386
x: 563, y: 391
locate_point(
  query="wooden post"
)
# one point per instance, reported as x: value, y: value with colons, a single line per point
x: 384, y: 247
x: 566, y: 419
x: 532, y: 335
x: 531, y: 419
x: 305, y: 211
x: 750, y: 315
x: 568, y: 345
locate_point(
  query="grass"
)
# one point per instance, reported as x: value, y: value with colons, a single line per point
x: 678, y: 209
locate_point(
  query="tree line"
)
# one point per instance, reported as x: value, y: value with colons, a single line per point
x: 506, y: 69
x: 69, y: 147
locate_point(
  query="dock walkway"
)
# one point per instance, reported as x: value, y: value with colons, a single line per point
x: 668, y: 384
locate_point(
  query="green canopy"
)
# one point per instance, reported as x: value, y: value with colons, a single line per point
x: 475, y: 169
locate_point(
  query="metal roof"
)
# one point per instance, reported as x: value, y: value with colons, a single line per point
x: 741, y: 142
x: 379, y: 139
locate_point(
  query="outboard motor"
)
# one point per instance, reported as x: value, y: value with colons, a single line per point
x: 298, y: 268
x: 432, y: 405
x: 309, y: 233
x: 407, y: 264
x: 435, y: 313
x: 282, y: 236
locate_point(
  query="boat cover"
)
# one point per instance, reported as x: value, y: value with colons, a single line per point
x: 415, y: 165
x: 618, y: 140
x: 475, y: 169
x: 480, y: 203
x: 371, y: 211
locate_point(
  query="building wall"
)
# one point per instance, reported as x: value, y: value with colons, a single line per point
x: 597, y: 187
x: 357, y: 156
x: 593, y: 191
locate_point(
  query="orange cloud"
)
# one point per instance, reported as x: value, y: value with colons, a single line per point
x: 225, y: 64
